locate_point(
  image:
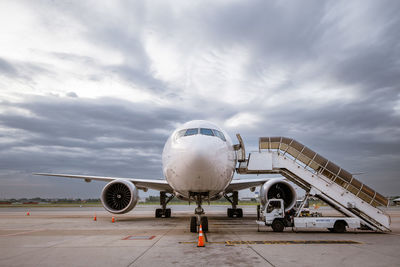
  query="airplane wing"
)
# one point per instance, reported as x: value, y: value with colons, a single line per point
x: 160, y: 185
x: 238, y: 184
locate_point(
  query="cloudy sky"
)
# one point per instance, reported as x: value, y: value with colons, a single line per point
x: 96, y: 88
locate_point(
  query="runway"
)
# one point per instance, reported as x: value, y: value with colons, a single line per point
x: 70, y: 236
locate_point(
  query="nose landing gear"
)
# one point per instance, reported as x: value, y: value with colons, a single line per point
x: 195, y: 221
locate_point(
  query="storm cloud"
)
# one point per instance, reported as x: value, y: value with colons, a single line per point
x: 100, y: 93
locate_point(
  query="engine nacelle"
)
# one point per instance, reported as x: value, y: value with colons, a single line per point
x: 119, y: 196
x: 278, y: 188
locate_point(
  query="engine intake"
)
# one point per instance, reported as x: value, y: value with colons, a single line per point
x: 281, y: 189
x: 119, y: 196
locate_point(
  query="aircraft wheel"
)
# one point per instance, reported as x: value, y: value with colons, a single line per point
x: 239, y: 213
x: 158, y: 213
x: 204, y: 223
x: 193, y: 224
x: 167, y: 213
x: 230, y: 212
x: 277, y: 226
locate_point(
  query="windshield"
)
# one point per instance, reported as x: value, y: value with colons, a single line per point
x: 206, y: 131
x: 219, y: 134
x: 191, y: 131
x: 273, y: 205
x: 203, y: 131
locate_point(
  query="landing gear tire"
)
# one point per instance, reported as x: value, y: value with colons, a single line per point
x: 204, y: 224
x: 238, y: 213
x: 339, y: 227
x: 158, y: 213
x: 193, y: 224
x: 277, y: 226
x: 167, y: 213
x: 229, y: 212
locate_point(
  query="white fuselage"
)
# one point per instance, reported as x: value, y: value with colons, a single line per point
x: 199, y: 163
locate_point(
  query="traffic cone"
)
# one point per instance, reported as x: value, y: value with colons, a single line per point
x: 113, y: 219
x: 28, y: 214
x: 201, y: 238
x: 95, y: 218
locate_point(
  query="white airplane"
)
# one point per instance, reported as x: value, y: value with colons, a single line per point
x: 199, y: 162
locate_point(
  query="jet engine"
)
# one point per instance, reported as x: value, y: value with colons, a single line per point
x: 119, y: 196
x: 278, y: 188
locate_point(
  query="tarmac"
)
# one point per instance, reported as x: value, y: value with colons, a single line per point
x: 70, y: 237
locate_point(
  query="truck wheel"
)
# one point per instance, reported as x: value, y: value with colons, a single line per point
x: 339, y: 227
x: 331, y: 230
x: 277, y: 226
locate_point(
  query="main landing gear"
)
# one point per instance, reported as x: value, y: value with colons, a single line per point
x: 234, y: 211
x: 164, y: 199
x: 199, y: 219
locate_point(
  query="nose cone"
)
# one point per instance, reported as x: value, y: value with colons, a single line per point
x: 200, y: 157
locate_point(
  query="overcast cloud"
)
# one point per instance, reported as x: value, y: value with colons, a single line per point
x: 96, y: 88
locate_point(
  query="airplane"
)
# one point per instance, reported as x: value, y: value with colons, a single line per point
x: 199, y: 162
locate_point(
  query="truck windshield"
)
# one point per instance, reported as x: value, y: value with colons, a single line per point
x: 273, y: 205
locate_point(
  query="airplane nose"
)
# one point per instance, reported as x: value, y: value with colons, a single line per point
x: 199, y: 158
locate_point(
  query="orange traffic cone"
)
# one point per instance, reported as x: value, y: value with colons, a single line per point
x: 112, y: 219
x: 201, y: 238
x: 95, y: 218
x: 28, y: 214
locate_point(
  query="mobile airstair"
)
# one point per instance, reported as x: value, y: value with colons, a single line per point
x: 317, y: 176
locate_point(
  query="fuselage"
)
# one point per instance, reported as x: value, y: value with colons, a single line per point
x: 199, y: 158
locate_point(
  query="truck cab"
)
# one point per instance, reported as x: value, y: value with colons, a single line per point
x: 274, y: 215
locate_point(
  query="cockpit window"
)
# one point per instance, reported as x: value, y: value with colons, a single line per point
x: 220, y: 135
x: 192, y: 131
x: 180, y: 133
x: 203, y: 131
x: 206, y: 131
